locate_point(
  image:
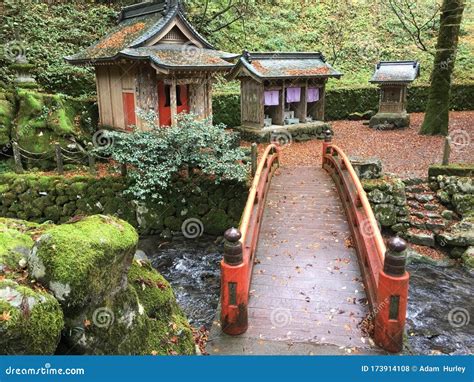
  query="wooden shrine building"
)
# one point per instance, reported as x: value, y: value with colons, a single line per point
x: 153, y: 62
x: 393, y: 78
x: 283, y: 91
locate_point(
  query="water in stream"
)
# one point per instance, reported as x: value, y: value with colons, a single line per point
x: 440, y: 310
x: 192, y: 268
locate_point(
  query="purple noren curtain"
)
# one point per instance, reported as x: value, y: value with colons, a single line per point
x: 313, y: 95
x: 293, y: 95
x: 272, y: 97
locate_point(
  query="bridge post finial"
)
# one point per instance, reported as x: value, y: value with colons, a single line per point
x: 392, y: 298
x: 327, y: 135
x: 327, y: 143
x: 233, y: 247
x: 395, y: 258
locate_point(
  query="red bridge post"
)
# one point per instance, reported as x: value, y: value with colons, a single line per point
x: 234, y: 294
x: 392, y: 295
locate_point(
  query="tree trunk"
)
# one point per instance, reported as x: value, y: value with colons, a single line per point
x: 437, y: 108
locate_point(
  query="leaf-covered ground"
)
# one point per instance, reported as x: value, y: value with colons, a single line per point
x: 403, y: 152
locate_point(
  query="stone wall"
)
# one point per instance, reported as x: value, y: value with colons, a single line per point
x: 457, y: 194
x: 57, y: 199
x: 438, y: 213
x: 388, y: 200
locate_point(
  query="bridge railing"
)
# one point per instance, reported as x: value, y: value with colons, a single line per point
x: 385, y: 278
x: 240, y: 246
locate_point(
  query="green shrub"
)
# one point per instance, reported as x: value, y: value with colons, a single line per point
x: 156, y: 155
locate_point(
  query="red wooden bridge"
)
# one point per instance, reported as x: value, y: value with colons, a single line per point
x: 307, y: 272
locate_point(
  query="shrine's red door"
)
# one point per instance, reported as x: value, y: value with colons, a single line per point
x: 129, y: 109
x: 164, y: 102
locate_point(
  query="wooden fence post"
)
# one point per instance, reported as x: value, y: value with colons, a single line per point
x: 253, y: 155
x: 59, y: 158
x: 446, y: 151
x: 91, y: 159
x: 17, y: 157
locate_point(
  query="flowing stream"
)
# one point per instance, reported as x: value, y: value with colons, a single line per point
x: 440, y: 310
x: 192, y: 268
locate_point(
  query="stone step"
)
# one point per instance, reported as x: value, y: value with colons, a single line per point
x: 420, y: 237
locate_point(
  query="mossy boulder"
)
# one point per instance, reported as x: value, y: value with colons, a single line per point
x: 85, y: 273
x: 141, y: 319
x: 460, y: 234
x: 468, y: 258
x: 367, y: 168
x: 15, y: 241
x: 14, y: 246
x: 45, y: 119
x: 386, y: 214
x: 454, y: 169
x: 463, y: 203
x: 154, y: 292
x: 389, y: 121
x: 30, y: 320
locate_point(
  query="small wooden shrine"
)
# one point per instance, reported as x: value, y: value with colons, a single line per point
x: 283, y: 90
x: 153, y: 63
x: 393, y: 78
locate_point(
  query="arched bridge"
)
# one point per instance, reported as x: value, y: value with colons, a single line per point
x: 308, y: 271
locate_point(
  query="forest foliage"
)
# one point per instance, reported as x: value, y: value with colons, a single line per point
x: 353, y: 35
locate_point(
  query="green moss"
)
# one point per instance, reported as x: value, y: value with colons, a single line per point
x: 170, y: 337
x: 216, y: 222
x: 154, y: 292
x: 47, y: 119
x: 35, y: 320
x: 125, y: 328
x: 14, y: 244
x: 454, y: 169
x: 78, y: 274
x: 468, y: 258
x: 13, y: 247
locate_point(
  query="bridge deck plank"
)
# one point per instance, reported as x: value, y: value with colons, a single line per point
x: 306, y: 286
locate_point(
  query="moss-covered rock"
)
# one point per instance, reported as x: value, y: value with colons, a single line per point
x: 105, y: 303
x: 460, y: 234
x: 386, y: 214
x: 454, y: 169
x: 139, y: 320
x: 468, y: 258
x: 14, y: 246
x: 30, y: 320
x: 154, y: 292
x: 15, y: 241
x: 389, y: 121
x: 85, y: 273
x: 388, y: 200
x: 463, y: 203
x: 45, y: 119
